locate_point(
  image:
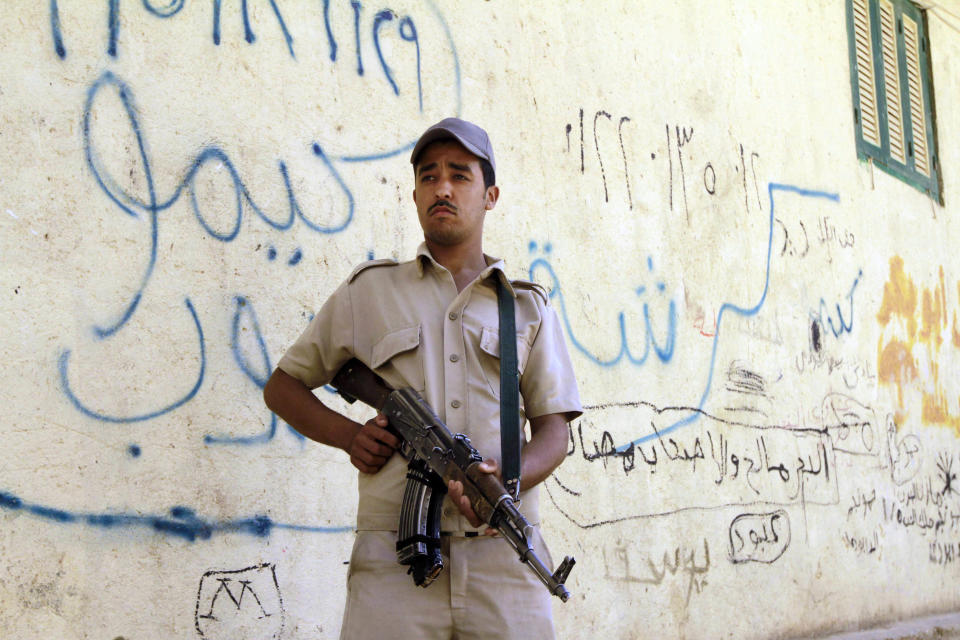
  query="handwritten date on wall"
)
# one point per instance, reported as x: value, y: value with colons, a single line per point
x: 684, y: 176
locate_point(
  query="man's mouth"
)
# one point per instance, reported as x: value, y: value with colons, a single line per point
x: 441, y: 206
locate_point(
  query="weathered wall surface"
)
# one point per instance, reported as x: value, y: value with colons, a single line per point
x: 765, y: 329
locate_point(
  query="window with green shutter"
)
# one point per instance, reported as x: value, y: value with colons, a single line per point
x: 893, y: 90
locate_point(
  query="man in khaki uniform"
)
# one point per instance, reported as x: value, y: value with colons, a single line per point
x: 432, y: 324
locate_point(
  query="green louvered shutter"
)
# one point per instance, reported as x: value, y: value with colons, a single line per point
x: 892, y: 90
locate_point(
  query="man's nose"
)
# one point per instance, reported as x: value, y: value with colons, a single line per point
x: 443, y: 189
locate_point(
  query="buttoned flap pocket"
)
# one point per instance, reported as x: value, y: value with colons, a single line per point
x: 396, y: 358
x: 490, y: 346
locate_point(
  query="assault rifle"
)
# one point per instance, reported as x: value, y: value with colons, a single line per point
x: 435, y: 456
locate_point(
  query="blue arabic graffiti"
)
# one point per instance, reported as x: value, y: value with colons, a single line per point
x: 134, y: 207
x: 664, y: 353
x: 152, y: 204
x: 258, y: 373
x: 180, y: 522
x: 64, y: 365
x: 824, y: 317
x: 250, y: 353
x: 729, y: 307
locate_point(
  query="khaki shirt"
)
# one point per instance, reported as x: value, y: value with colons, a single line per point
x: 408, y: 323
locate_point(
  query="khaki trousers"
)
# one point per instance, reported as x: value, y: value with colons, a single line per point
x: 484, y: 591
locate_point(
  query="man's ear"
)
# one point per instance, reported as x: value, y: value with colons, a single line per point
x: 493, y: 194
x: 413, y: 194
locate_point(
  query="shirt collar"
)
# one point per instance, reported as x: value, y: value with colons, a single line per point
x: 495, y: 267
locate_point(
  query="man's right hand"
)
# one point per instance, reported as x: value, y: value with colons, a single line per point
x: 372, y: 445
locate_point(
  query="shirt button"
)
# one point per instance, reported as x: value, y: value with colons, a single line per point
x: 454, y: 358
x: 455, y: 404
x: 452, y: 315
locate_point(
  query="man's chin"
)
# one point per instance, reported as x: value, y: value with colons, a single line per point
x: 444, y: 237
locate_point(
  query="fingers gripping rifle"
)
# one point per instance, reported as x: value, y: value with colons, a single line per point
x: 435, y: 456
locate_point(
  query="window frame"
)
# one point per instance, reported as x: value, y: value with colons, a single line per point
x: 881, y: 155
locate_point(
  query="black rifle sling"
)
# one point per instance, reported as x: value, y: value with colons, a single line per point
x: 509, y: 392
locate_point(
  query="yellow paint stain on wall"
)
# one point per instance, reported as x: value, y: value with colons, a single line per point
x: 934, y: 313
x: 899, y: 297
x: 897, y: 364
x: 935, y: 411
x: 956, y: 330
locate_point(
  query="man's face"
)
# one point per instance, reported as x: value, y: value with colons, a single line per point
x: 449, y: 193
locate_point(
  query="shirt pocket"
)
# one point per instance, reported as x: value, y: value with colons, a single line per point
x: 397, y: 359
x: 490, y: 357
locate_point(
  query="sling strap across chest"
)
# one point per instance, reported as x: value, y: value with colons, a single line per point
x: 510, y: 434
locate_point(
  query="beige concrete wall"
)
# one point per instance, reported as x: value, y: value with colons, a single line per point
x: 769, y: 321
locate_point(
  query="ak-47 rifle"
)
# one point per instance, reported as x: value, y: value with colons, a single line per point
x: 435, y: 456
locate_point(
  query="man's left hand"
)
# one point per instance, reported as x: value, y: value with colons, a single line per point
x: 455, y: 490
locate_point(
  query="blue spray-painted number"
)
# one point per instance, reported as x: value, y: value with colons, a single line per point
x: 55, y: 30
x: 173, y: 8
x: 408, y: 33
x: 406, y: 28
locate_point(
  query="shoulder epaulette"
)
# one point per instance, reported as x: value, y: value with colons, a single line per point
x: 371, y: 263
x: 532, y: 286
